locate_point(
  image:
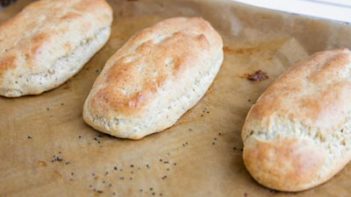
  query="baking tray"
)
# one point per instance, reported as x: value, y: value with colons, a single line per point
x: 47, y: 150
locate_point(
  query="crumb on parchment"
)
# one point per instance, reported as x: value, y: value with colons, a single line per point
x: 258, y: 75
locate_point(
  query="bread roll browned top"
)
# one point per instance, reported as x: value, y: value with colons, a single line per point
x: 48, y: 42
x: 155, y: 77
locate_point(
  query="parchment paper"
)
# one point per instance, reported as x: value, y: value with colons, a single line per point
x: 47, y: 150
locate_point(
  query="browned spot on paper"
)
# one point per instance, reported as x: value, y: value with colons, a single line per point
x: 270, y: 45
x: 239, y: 51
x: 42, y: 163
x: 259, y: 75
x: 66, y: 87
x: 57, y: 174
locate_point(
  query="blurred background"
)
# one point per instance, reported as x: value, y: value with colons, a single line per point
x: 339, y: 10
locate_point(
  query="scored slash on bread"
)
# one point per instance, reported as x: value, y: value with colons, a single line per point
x: 159, y: 74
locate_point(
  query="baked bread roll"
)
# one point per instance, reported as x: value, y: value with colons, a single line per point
x: 298, y: 134
x: 48, y: 42
x: 159, y: 74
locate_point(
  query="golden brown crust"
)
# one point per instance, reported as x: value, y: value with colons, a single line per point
x: 157, y: 76
x: 296, y: 92
x: 6, y: 63
x: 128, y: 85
x: 298, y: 134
